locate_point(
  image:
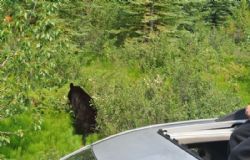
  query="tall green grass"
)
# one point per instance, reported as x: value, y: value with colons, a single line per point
x: 49, y: 140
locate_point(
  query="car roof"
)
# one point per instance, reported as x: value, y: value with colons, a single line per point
x: 144, y: 143
x: 141, y: 144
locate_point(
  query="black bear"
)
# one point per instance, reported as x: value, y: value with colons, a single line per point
x: 84, y: 113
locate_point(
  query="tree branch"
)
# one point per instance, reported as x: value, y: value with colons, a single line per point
x: 7, y: 133
x: 6, y: 60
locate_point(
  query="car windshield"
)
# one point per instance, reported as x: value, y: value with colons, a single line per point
x: 83, y: 155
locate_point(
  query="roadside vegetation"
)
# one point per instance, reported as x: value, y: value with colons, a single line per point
x: 143, y: 62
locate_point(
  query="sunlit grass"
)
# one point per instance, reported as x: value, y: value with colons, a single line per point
x: 54, y: 139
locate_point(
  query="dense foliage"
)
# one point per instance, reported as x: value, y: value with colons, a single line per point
x: 143, y: 61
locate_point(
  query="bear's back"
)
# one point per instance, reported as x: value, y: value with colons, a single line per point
x: 84, y: 112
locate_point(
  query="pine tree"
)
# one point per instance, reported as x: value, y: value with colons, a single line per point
x: 145, y: 19
x: 216, y: 12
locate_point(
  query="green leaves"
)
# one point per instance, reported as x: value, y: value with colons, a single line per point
x: 144, y: 62
x: 217, y: 12
x: 4, y: 140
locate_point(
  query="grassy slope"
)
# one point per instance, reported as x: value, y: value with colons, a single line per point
x: 48, y: 134
x: 40, y: 143
x: 55, y: 137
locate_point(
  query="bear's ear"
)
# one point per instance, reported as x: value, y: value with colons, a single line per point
x: 71, y: 85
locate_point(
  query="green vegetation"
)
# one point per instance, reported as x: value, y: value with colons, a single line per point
x: 143, y: 61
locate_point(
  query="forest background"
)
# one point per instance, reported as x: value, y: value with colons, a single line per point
x: 143, y: 62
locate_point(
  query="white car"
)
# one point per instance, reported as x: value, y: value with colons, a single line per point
x: 187, y: 140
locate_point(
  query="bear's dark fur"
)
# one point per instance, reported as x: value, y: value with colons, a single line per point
x: 84, y: 118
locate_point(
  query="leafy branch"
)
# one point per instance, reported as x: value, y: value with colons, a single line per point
x: 6, y: 60
x: 17, y: 133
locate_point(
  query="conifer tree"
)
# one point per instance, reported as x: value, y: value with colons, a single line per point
x: 144, y: 19
x: 215, y: 11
